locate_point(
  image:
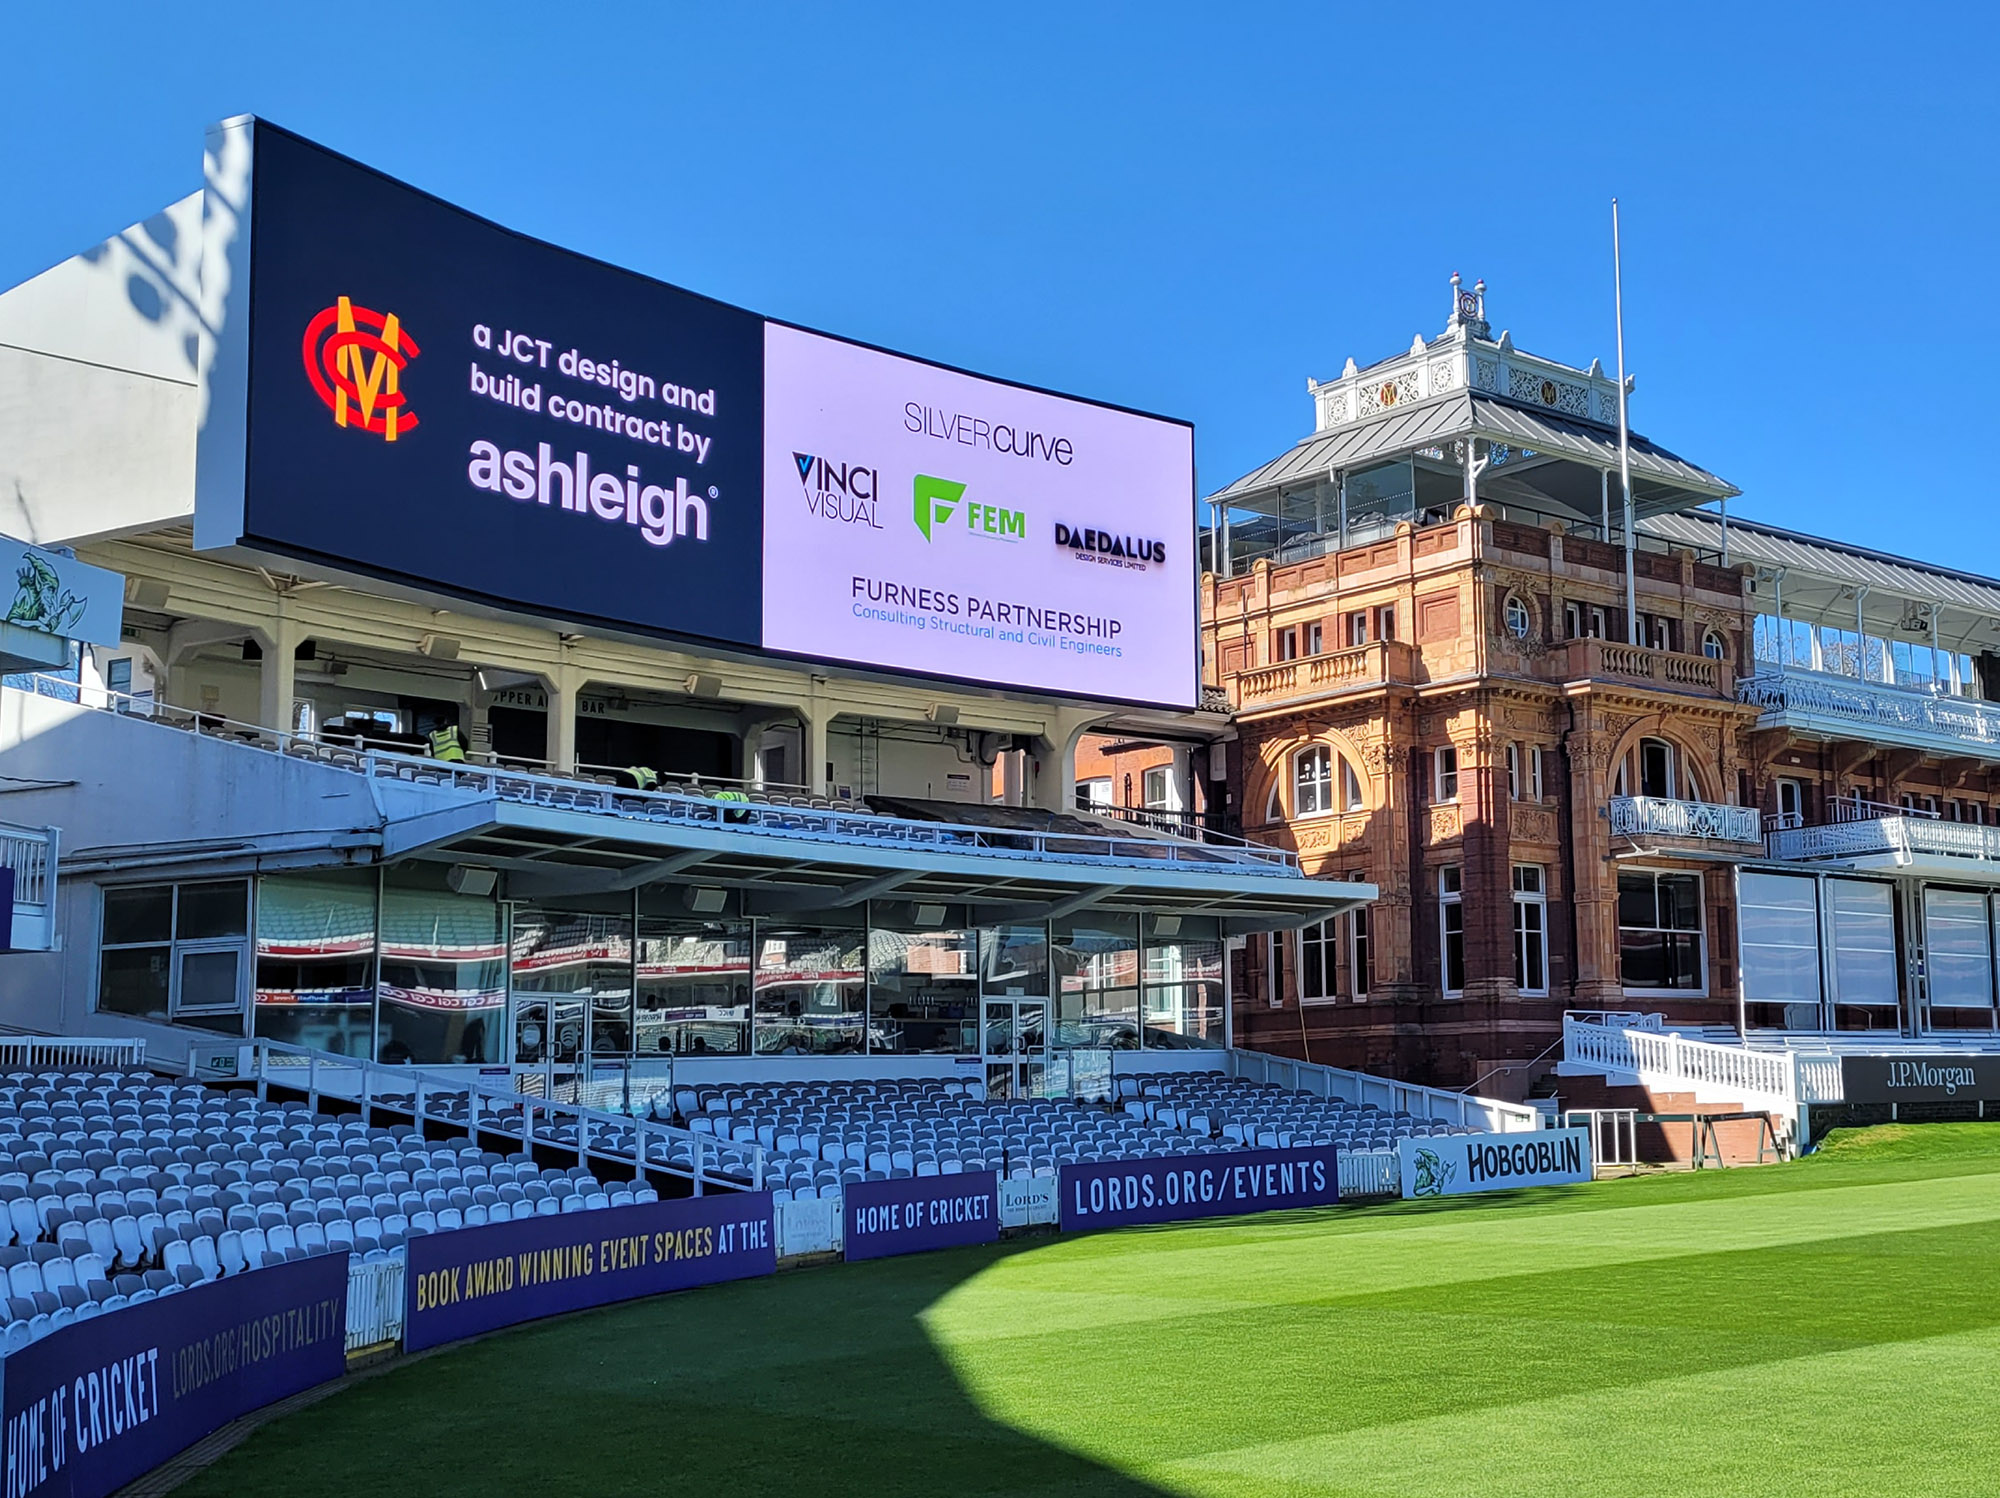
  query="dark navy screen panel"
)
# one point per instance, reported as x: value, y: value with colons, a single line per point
x: 920, y: 1212
x: 475, y: 1280
x: 94, y: 1404
x: 490, y: 416
x: 1173, y: 1188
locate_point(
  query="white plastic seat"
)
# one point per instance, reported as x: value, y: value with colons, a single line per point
x: 206, y: 1259
x: 90, y: 1269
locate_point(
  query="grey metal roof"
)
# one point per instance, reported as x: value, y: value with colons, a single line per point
x: 1436, y: 422
x: 1833, y: 561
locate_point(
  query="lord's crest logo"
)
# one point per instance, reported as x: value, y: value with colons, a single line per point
x: 355, y: 358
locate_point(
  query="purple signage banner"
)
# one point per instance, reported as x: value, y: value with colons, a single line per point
x: 475, y: 1280
x: 92, y: 1406
x: 921, y: 1212
x: 1171, y: 1188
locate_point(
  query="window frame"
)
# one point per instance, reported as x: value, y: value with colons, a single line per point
x: 1322, y: 786
x: 1513, y: 771
x: 1720, y: 647
x: 1700, y: 933
x: 1444, y: 781
x: 1513, y: 606
x: 1451, y: 928
x: 1535, y: 792
x: 178, y: 948
x: 1312, y: 637
x: 1531, y: 921
x: 1319, y: 948
x: 1284, y: 645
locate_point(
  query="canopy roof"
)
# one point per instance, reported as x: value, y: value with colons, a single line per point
x: 1560, y: 458
x: 1818, y: 580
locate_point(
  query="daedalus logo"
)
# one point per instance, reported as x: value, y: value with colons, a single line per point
x: 355, y: 358
x: 938, y: 501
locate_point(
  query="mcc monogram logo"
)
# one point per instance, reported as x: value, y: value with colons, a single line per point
x: 355, y: 358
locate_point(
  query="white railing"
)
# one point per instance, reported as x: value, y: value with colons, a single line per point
x: 1820, y: 1078
x: 1464, y: 1109
x: 68, y: 1053
x: 1900, y: 837
x: 1871, y: 706
x: 374, y: 1303
x: 1368, y: 1173
x: 1636, y: 816
x: 32, y: 853
x: 1668, y: 1060
x: 684, y: 808
x: 473, y: 1108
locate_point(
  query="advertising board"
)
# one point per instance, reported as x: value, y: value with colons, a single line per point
x: 1941, y: 1078
x: 1173, y: 1188
x: 89, y: 1407
x: 932, y: 521
x: 1460, y: 1164
x: 920, y: 1212
x: 405, y: 391
x: 434, y: 399
x: 462, y: 1283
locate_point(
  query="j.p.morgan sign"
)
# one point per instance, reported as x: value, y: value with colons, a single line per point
x: 1920, y: 1079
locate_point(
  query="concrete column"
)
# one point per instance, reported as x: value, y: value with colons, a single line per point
x: 277, y: 676
x: 1052, y: 783
x: 818, y: 738
x: 563, y: 685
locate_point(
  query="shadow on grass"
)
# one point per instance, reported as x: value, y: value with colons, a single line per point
x: 821, y: 1381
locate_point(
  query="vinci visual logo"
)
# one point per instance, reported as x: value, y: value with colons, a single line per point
x: 938, y: 501
x: 355, y: 358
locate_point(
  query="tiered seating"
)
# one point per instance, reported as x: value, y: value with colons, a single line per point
x: 822, y: 1135
x: 117, y: 1187
x: 1262, y: 1115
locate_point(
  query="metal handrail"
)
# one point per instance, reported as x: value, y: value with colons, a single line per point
x: 1461, y: 1108
x: 427, y: 1095
x: 528, y: 787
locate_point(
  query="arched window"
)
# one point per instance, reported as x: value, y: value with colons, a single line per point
x: 1274, y: 804
x: 1515, y: 614
x: 1312, y: 781
x: 1658, y: 769
x: 1350, y: 787
x: 1713, y: 647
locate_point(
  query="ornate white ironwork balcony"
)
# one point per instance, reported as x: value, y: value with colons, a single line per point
x: 1896, y: 840
x: 1847, y: 707
x: 1656, y: 816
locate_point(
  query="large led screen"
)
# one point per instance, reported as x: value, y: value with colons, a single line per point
x: 405, y: 391
x: 926, y: 520
x: 436, y: 400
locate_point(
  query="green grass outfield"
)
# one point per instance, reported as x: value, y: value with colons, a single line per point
x: 1826, y: 1328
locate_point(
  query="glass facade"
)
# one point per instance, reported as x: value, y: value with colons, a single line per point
x: 693, y: 985
x: 1096, y: 959
x: 443, y: 970
x: 315, y: 955
x: 809, y: 986
x: 923, y: 988
x: 1183, y: 987
x: 398, y: 965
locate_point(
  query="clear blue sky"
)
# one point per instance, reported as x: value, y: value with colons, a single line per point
x: 1182, y: 208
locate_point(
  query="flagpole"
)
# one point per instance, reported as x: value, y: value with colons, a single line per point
x: 1624, y: 432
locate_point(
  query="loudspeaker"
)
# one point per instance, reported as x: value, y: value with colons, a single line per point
x: 470, y: 879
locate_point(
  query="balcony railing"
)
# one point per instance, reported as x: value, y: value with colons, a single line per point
x: 1367, y: 665
x: 31, y: 853
x: 1607, y: 660
x: 1869, y: 709
x: 822, y: 821
x: 1900, y: 838
x: 1656, y: 816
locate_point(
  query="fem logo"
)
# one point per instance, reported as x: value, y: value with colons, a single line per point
x: 355, y: 359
